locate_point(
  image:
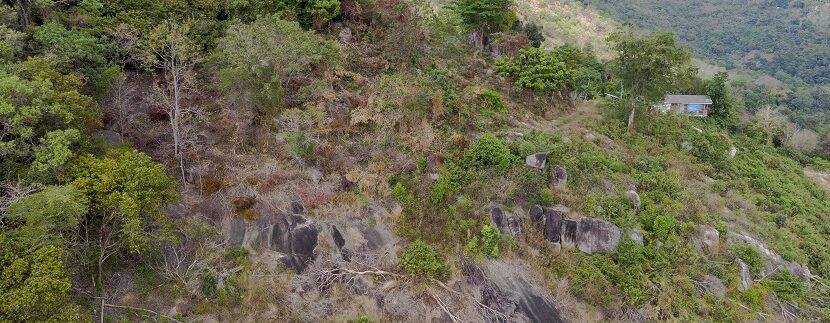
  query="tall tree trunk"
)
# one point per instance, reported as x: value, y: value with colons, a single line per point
x: 631, y: 116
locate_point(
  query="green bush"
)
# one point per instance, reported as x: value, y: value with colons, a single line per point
x: 749, y: 255
x: 300, y: 145
x: 492, y: 103
x: 663, y: 226
x: 490, y: 238
x: 786, y: 286
x: 545, y: 198
x: 419, y: 259
x: 489, y: 152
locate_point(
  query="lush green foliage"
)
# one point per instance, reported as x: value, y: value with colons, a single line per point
x: 127, y: 186
x: 34, y: 285
x: 264, y: 55
x: 43, y: 116
x: 489, y: 152
x: 649, y: 66
x: 485, y: 16
x: 792, y: 32
x: 419, y: 259
x: 46, y: 216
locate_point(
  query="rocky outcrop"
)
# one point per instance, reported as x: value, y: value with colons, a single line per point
x: 595, y: 235
x: 292, y: 235
x: 432, y: 165
x: 569, y: 233
x: 773, y: 262
x: 538, y: 161
x: 587, y: 234
x: 512, y: 291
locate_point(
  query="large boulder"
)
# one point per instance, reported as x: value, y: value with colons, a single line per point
x: 553, y: 223
x: 538, y: 161
x: 595, y: 235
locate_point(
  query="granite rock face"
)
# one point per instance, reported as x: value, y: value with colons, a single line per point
x: 569, y: 233
x: 597, y: 236
x: 587, y: 234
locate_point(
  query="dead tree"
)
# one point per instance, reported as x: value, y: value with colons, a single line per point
x: 169, y: 49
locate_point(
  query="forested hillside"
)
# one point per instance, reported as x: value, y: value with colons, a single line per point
x: 391, y: 161
x: 789, y: 40
x: 783, y: 38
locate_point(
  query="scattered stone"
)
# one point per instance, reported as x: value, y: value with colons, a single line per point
x: 707, y: 238
x: 314, y: 175
x: 733, y: 151
x: 297, y: 207
x: 687, y: 146
x: 346, y: 184
x: 567, y: 140
x: 514, y: 226
x: 432, y: 168
x: 538, y: 161
x: 635, y: 199
x: 595, y: 235
x: 746, y: 278
x: 345, y: 35
x: 570, y: 229
x: 589, y: 137
x: 559, y: 178
x: 514, y: 136
x: 537, y: 215
x: 339, y: 113
x: 608, y: 185
x: 636, y: 235
x: 714, y: 286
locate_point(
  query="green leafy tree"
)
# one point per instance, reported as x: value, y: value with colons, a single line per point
x: 485, y: 16
x: 264, y: 55
x: 723, y: 107
x: 35, y: 286
x: 72, y: 49
x: 321, y: 11
x: 45, y: 217
x: 42, y: 116
x: 648, y: 66
x: 125, y: 190
x: 536, y: 70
